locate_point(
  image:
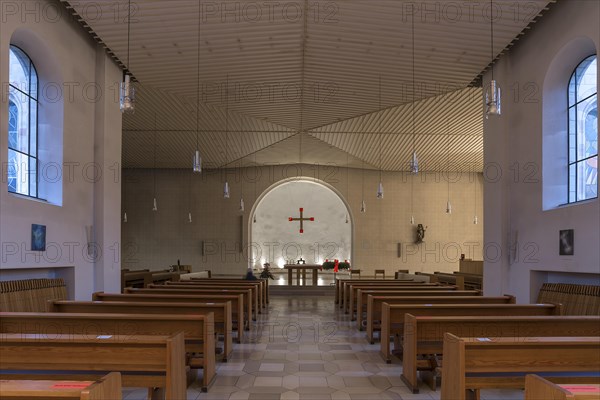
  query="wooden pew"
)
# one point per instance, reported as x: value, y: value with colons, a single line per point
x: 374, y: 304
x: 237, y: 304
x: 490, y: 363
x: 198, y: 330
x: 214, y: 291
x: 137, y: 278
x: 538, y: 388
x: 343, y: 286
x: 221, y: 313
x: 264, y: 284
x: 472, y: 281
x: 106, y: 388
x: 392, y: 316
x: 362, y: 296
x: 445, y: 279
x: 353, y: 290
x: 256, y: 286
x: 252, y: 298
x: 340, y: 282
x: 425, y: 335
x: 143, y: 361
x: 451, y: 279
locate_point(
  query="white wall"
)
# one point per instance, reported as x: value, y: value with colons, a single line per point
x: 513, y: 144
x: 156, y: 240
x: 74, y: 68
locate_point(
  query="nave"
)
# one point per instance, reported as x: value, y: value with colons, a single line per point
x: 285, y: 358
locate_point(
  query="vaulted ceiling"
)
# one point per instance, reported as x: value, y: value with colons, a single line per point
x: 305, y: 81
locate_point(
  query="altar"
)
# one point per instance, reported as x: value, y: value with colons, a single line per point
x: 301, y: 268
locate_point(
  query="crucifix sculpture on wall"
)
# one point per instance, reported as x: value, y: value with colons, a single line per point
x: 301, y: 219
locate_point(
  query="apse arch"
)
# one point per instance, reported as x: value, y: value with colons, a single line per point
x: 261, y: 225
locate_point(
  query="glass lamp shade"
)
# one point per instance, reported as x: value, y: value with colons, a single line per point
x: 493, y: 99
x: 154, y: 205
x: 226, y: 190
x: 414, y: 163
x: 448, y: 207
x: 363, y: 207
x: 125, y: 217
x: 197, y: 163
x: 380, y: 191
x: 190, y: 217
x: 127, y: 95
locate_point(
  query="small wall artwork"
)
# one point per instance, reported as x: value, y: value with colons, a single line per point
x: 38, y: 237
x: 566, y: 246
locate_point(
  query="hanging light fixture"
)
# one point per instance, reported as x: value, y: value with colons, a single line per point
x: 124, y: 201
x: 493, y: 94
x: 412, y: 200
x: 154, y: 203
x: 347, y: 182
x: 242, y: 206
x: 226, y: 193
x: 127, y: 91
x: 448, y: 204
x: 475, y: 219
x: 255, y: 179
x: 380, y: 186
x: 197, y: 161
x: 414, y: 162
x: 363, y: 205
x: 190, y: 198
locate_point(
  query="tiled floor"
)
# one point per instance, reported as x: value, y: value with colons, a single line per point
x: 304, y: 348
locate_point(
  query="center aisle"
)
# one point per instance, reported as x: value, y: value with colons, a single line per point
x: 305, y: 348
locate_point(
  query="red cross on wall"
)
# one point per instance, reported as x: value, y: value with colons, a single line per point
x: 301, y: 219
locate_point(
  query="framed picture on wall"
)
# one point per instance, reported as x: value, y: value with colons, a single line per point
x: 38, y: 237
x: 566, y: 244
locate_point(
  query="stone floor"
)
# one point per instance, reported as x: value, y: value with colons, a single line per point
x: 304, y: 348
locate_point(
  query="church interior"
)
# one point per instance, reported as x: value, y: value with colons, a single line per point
x: 299, y: 199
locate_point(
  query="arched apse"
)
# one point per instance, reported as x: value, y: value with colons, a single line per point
x: 276, y: 239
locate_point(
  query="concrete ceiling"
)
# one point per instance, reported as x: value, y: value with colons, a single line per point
x: 307, y: 81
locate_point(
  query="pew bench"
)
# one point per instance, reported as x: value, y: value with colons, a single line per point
x: 106, y: 388
x: 392, y: 316
x: 143, y: 361
x: 352, y: 290
x: 475, y: 363
x: 424, y: 336
x: 347, y: 286
x: 264, y: 283
x: 198, y: 330
x: 538, y: 388
x: 238, y: 318
x: 375, y: 302
x: 339, y: 285
x: 248, y: 303
x: 362, y: 299
x: 255, y: 286
x: 221, y: 313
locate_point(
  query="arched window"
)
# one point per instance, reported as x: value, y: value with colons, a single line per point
x: 22, y: 124
x: 583, y: 131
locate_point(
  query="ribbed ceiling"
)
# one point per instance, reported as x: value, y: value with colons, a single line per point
x: 341, y: 73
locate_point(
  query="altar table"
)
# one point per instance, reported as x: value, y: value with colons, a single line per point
x: 301, y: 268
